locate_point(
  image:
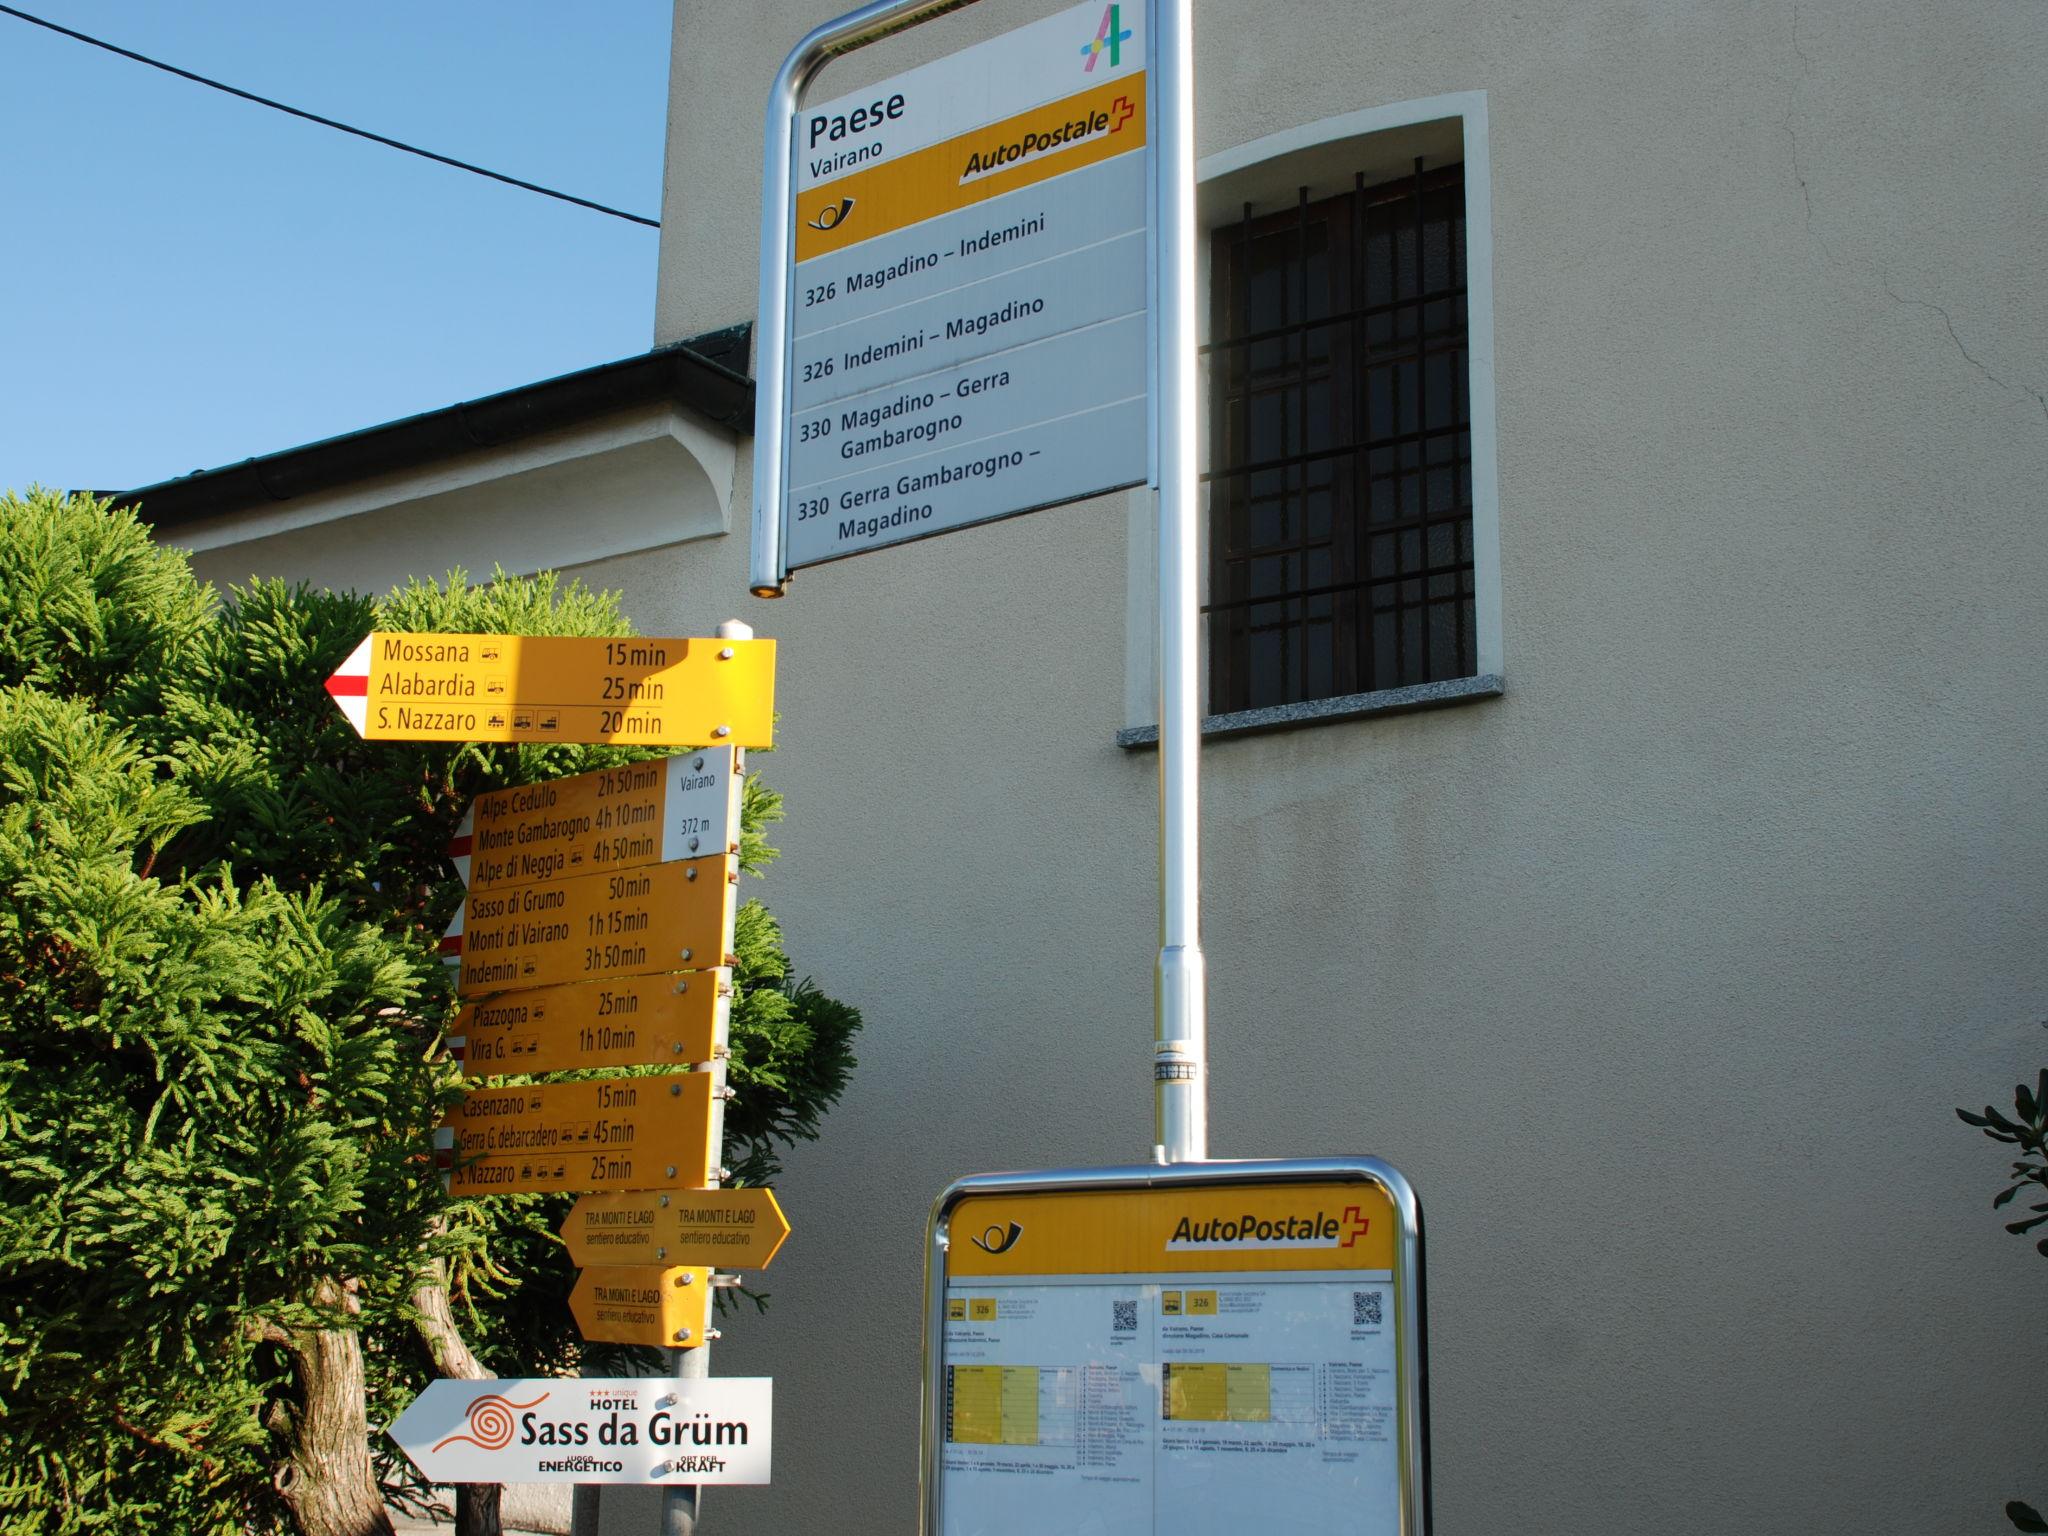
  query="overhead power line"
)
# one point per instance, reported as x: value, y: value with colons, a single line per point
x: 328, y: 122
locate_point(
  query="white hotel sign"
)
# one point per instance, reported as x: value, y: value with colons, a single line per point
x: 969, y: 303
x: 586, y: 1429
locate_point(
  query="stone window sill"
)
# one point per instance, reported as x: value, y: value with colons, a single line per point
x: 1350, y: 706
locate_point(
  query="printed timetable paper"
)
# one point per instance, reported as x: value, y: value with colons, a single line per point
x: 970, y: 331
x: 1181, y: 1361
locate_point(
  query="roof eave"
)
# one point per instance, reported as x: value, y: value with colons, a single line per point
x: 697, y: 375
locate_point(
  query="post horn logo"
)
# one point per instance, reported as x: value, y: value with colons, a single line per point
x: 832, y: 218
x: 490, y: 1422
x: 997, y: 1240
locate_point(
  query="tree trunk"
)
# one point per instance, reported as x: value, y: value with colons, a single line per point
x: 476, y: 1504
x: 476, y: 1508
x: 328, y: 1483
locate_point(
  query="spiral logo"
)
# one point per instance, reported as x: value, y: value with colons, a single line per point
x: 490, y: 1422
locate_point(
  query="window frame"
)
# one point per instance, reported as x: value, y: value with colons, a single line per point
x: 1390, y: 593
x: 1220, y: 179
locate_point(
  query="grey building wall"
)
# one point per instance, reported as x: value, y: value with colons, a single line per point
x: 1660, y: 974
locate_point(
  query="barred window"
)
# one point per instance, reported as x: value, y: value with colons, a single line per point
x: 1341, y: 456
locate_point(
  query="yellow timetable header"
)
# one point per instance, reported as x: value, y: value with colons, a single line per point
x: 1248, y: 1228
x: 1065, y: 135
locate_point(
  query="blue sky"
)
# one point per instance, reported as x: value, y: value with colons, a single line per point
x: 187, y: 279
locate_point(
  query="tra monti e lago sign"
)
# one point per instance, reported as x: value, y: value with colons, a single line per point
x: 729, y: 1228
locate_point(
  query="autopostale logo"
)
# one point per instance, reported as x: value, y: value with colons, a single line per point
x: 1313, y: 1229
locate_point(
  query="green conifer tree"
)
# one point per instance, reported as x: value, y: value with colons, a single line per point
x: 224, y: 1252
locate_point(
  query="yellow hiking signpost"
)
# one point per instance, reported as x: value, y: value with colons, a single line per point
x: 665, y: 1306
x: 631, y: 1022
x: 597, y: 932
x: 620, y: 1133
x: 659, y: 917
x: 597, y: 823
x: 643, y: 691
x: 731, y: 1228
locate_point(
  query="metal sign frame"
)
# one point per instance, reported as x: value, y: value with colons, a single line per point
x: 1410, y: 1331
x: 1180, y: 1050
x: 773, y: 334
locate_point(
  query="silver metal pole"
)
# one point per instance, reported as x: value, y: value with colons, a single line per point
x: 856, y: 29
x: 682, y: 1503
x: 1180, y: 1048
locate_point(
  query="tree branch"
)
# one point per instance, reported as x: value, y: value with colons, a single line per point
x: 263, y: 1331
x: 137, y: 1432
x: 434, y: 1322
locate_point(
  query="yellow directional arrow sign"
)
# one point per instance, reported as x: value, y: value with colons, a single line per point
x: 678, y: 807
x: 729, y: 1228
x: 634, y: 1021
x: 656, y: 918
x: 651, y: 692
x: 624, y: 1133
x: 669, y: 1307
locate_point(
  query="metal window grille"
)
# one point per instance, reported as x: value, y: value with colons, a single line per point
x: 1340, y: 487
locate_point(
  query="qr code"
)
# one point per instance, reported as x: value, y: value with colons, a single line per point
x: 1126, y: 1317
x: 1365, y: 1308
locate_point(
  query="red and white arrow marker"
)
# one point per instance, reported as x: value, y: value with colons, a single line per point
x: 451, y: 941
x: 451, y: 956
x: 444, y: 1153
x: 350, y: 686
x: 459, y: 844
